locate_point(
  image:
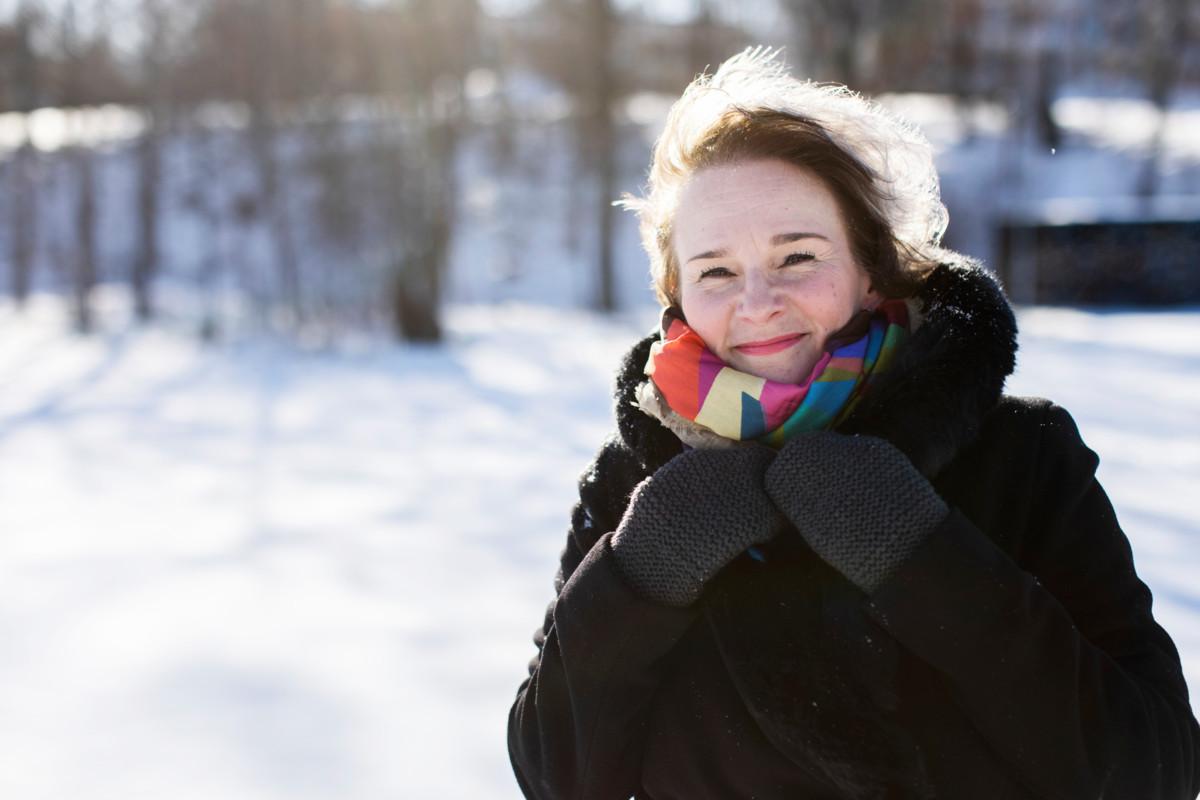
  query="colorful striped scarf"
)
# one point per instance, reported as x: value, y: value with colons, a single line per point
x: 698, y: 385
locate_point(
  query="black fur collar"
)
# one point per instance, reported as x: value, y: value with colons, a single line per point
x: 929, y: 404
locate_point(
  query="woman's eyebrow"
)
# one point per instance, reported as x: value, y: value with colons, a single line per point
x: 718, y: 253
x: 776, y: 240
x: 785, y: 238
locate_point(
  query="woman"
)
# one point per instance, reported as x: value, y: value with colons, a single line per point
x: 824, y: 556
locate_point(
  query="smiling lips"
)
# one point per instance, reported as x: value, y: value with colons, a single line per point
x: 768, y: 346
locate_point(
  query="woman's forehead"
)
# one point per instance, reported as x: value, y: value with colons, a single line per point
x: 754, y: 197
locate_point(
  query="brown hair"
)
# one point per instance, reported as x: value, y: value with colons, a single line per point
x: 878, y: 167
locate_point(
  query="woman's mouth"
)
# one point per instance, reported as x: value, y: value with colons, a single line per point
x: 768, y: 346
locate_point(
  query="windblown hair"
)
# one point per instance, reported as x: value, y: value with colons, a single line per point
x: 878, y: 167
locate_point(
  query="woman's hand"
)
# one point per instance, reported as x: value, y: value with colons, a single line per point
x: 857, y: 500
x: 691, y: 518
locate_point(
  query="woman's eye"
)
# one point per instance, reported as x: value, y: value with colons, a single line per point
x: 797, y: 258
x: 715, y: 272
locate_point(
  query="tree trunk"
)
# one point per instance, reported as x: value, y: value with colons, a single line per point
x: 416, y: 287
x: 964, y: 56
x: 1165, y: 37
x: 415, y: 295
x: 84, y: 262
x: 1047, y: 88
x: 146, y: 262
x: 601, y: 131
x: 23, y: 204
x: 155, y: 60
x: 22, y: 180
x: 264, y: 143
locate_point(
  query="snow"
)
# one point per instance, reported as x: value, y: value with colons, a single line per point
x: 257, y: 569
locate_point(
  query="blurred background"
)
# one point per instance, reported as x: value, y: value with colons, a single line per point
x: 309, y: 311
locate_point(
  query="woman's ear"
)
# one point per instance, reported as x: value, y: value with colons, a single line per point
x: 872, y: 299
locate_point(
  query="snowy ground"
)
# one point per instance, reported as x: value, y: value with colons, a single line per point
x: 254, y: 570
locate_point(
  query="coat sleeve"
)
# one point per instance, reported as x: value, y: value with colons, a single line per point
x: 1057, y: 660
x: 578, y: 725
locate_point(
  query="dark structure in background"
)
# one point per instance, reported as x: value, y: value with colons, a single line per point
x: 1102, y: 261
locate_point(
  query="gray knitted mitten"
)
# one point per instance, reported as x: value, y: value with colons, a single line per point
x: 691, y: 518
x: 858, y: 501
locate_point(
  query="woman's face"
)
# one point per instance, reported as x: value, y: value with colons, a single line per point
x: 765, y: 270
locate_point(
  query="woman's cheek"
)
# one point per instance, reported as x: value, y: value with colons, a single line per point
x: 709, y: 300
x: 707, y: 314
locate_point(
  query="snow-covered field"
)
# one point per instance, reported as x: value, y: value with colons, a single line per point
x: 255, y: 570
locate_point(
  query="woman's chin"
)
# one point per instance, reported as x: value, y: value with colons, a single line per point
x: 791, y: 370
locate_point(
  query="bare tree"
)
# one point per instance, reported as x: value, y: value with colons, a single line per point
x: 264, y: 51
x: 703, y: 41
x: 867, y: 44
x: 837, y: 36
x: 240, y: 48
x: 320, y: 70
x: 419, y: 52
x: 205, y: 195
x: 598, y: 135
x: 574, y: 47
x: 964, y: 59
x: 84, y: 263
x: 77, y: 50
x: 154, y: 61
x: 23, y: 193
x: 1165, y: 35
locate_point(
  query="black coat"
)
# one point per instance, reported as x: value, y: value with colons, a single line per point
x: 1014, y: 655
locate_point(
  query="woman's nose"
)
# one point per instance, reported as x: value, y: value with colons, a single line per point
x: 759, y: 299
